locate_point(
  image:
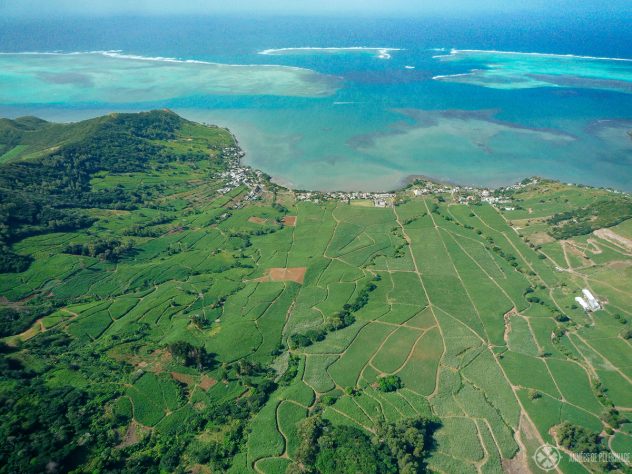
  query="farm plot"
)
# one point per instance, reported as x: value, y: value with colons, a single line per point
x: 396, y: 350
x: 296, y: 275
x: 346, y: 371
x: 420, y: 372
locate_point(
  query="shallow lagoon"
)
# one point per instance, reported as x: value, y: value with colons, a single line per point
x: 342, y: 116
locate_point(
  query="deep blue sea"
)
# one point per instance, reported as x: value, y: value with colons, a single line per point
x: 353, y: 103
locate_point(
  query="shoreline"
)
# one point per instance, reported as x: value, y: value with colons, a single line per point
x: 284, y: 183
x: 409, y: 180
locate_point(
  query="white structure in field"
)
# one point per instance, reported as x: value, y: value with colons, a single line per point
x: 582, y: 303
x: 588, y: 302
x: 592, y: 301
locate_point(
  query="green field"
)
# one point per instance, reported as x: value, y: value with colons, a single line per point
x: 187, y: 350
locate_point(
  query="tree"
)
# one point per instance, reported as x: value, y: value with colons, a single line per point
x: 189, y: 355
x: 400, y: 447
x: 579, y: 439
x: 390, y: 383
x: 409, y: 442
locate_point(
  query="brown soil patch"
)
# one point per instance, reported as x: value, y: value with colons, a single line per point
x: 183, y: 378
x: 37, y: 328
x: 620, y: 264
x: 200, y: 406
x: 593, y: 247
x: 154, y: 362
x: 176, y: 230
x: 526, y: 436
x: 290, y: 221
x: 296, y: 275
x: 132, y: 435
x: 200, y: 469
x: 540, y: 238
x: 207, y: 382
x: 257, y: 220
x: 507, y: 320
x: 529, y: 221
x: 614, y: 238
x: 4, y: 301
x: 517, y: 465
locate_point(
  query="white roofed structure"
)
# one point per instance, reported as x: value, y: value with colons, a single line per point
x: 582, y: 303
x: 592, y: 301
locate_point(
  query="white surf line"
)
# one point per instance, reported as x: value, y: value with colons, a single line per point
x: 454, y: 52
x: 382, y: 53
x: 117, y: 54
x: 448, y: 76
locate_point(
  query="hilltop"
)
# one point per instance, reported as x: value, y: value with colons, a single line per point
x: 200, y: 318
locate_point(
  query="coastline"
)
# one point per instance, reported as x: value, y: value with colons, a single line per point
x: 70, y: 116
x: 410, y: 180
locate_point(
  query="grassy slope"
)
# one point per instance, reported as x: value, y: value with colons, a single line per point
x: 437, y: 317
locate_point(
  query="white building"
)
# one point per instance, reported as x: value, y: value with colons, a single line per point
x: 582, y: 303
x: 592, y: 301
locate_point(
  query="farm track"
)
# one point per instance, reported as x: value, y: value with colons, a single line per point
x: 513, y: 387
x: 340, y: 266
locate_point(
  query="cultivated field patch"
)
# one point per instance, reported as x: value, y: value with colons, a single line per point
x: 296, y: 275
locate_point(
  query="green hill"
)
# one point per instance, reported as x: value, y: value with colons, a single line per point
x: 43, y: 193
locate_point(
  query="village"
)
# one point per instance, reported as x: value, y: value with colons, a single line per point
x: 238, y: 175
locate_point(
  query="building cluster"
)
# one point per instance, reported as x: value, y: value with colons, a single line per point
x: 423, y: 188
x: 237, y: 175
x: 521, y: 185
x: 379, y: 199
x: 465, y: 194
x: 588, y: 302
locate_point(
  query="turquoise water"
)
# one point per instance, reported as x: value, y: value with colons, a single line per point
x: 510, y: 70
x: 317, y: 108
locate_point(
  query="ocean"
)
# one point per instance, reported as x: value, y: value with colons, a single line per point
x: 353, y: 103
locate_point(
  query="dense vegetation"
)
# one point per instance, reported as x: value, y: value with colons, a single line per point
x: 45, y: 427
x: 579, y: 439
x: 390, y: 383
x: 400, y: 447
x: 583, y: 221
x: 46, y: 194
x: 110, y: 249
